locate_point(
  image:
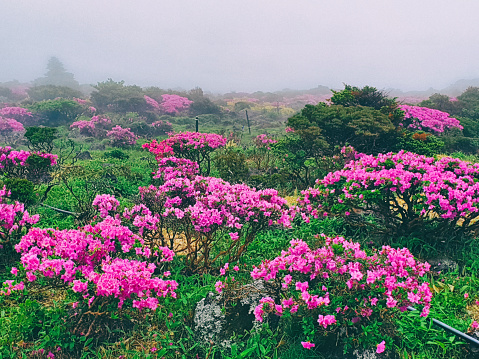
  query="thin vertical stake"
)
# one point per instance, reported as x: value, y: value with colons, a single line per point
x: 247, y: 119
x: 196, y: 123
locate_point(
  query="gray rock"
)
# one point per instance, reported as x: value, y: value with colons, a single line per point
x: 218, y: 317
x: 443, y: 265
x: 84, y: 156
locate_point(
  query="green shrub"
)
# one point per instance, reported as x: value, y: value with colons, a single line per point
x: 21, y: 190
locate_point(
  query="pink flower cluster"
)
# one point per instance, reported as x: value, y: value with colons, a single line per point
x: 342, y: 273
x: 13, y: 218
x: 428, y: 119
x: 171, y: 104
x: 172, y: 167
x: 210, y: 203
x: 121, y: 137
x: 263, y: 141
x: 8, y: 125
x: 105, y: 203
x: 14, y: 111
x: 91, y: 261
x: 433, y: 189
x: 180, y: 143
x: 9, y: 158
x: 152, y: 102
x: 89, y: 128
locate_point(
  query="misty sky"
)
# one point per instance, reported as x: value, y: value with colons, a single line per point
x: 244, y: 45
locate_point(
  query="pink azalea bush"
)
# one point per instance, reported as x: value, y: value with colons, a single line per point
x: 191, y: 145
x: 340, y: 285
x: 121, y: 137
x: 105, y: 203
x: 18, y: 163
x: 172, y: 167
x: 14, y: 220
x: 205, y: 218
x: 94, y: 127
x: 428, y: 119
x: 19, y: 114
x: 102, y: 263
x: 170, y: 104
x: 174, y: 104
x: 407, y: 191
x: 10, y: 129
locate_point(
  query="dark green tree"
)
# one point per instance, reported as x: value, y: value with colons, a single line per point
x: 366, y: 129
x: 41, y: 138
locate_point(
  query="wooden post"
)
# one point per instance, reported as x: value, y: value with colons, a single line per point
x: 247, y: 119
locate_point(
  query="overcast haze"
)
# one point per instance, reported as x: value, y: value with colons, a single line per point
x: 244, y: 45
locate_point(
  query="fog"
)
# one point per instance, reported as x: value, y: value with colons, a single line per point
x: 246, y: 45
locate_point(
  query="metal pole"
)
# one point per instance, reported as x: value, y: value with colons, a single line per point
x: 196, y: 123
x: 448, y: 328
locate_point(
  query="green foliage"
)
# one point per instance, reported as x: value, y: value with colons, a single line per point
x: 118, y: 154
x: 471, y: 126
x: 463, y: 144
x: 57, y: 112
x: 111, y: 96
x: 41, y: 138
x: 420, y: 143
x: 51, y: 92
x: 231, y: 165
x: 367, y: 96
x: 21, y: 190
x: 443, y: 103
x: 366, y: 129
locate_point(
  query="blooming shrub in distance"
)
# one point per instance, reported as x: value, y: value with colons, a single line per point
x: 25, y: 164
x: 428, y: 119
x: 94, y: 127
x: 340, y: 285
x: 10, y: 129
x: 191, y: 145
x: 121, y: 137
x: 406, y: 190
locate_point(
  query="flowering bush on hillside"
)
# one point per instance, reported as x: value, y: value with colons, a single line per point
x: 94, y: 127
x: 170, y: 104
x: 19, y: 114
x: 25, y: 164
x: 14, y: 220
x: 428, y: 119
x: 204, y: 218
x: 172, y: 167
x: 173, y: 104
x: 340, y: 285
x: 10, y: 129
x: 405, y: 190
x: 121, y: 137
x: 191, y: 145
